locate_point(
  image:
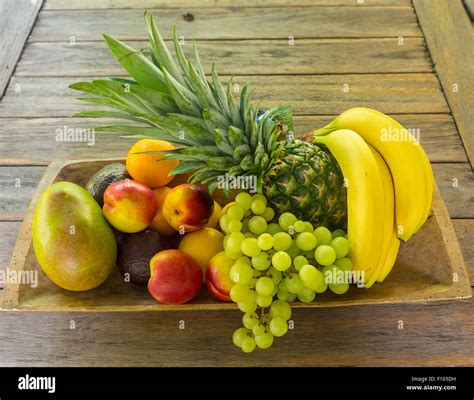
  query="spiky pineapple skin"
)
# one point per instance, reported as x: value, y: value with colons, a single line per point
x: 307, y: 181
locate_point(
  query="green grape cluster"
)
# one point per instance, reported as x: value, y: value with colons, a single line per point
x: 278, y: 260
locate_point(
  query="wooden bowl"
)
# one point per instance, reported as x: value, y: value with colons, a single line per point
x: 429, y: 267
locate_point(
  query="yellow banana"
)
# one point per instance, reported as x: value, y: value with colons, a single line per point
x: 406, y: 160
x: 364, y: 198
x: 391, y: 243
x: 391, y: 256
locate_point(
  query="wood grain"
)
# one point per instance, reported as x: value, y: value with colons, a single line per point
x: 33, y: 141
x: 14, y: 201
x: 16, y: 20
x: 450, y: 36
x: 460, y: 198
x: 17, y: 185
x: 465, y: 232
x: 305, y: 56
x: 308, y: 94
x: 148, y: 4
x: 230, y: 23
x: 8, y: 235
x: 363, y: 336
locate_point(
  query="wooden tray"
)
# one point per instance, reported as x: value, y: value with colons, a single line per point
x: 429, y: 267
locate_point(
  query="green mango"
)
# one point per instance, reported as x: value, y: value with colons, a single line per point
x: 73, y: 242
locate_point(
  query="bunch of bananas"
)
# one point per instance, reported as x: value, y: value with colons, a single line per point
x: 389, y: 186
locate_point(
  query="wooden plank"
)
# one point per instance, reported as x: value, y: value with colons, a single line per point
x: 464, y: 231
x: 363, y: 336
x: 450, y: 37
x: 13, y: 34
x: 308, y: 94
x: 148, y: 4
x: 17, y: 185
x: 32, y: 141
x: 14, y: 200
x: 8, y: 234
x: 229, y: 23
x: 456, y: 183
x: 306, y: 56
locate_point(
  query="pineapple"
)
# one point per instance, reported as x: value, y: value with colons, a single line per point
x: 215, y: 135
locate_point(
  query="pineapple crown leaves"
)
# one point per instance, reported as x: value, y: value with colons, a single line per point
x: 176, y: 102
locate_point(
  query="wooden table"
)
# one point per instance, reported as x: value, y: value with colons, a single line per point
x: 322, y: 57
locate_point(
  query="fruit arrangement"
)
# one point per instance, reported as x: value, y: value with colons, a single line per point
x: 265, y: 219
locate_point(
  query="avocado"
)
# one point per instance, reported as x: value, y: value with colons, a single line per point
x: 135, y: 250
x: 74, y: 244
x: 103, y: 178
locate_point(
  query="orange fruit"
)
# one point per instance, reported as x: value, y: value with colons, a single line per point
x: 147, y: 168
x: 159, y: 222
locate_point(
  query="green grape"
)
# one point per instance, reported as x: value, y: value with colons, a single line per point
x: 293, y: 250
x: 275, y: 275
x: 240, y: 293
x: 280, y: 309
x: 264, y: 301
x: 325, y: 255
x: 282, y: 241
x: 340, y: 246
x: 258, y: 207
x: 291, y: 297
x: 236, y: 212
x: 306, y: 295
x: 299, y: 226
x: 306, y: 241
x: 250, y: 320
x: 257, y: 273
x: 233, y: 241
x: 260, y: 197
x: 248, y: 345
x: 308, y: 227
x: 239, y: 336
x: 265, y: 241
x: 294, y: 284
x: 322, y: 288
x: 281, y: 261
x: 234, y: 226
x: 299, y: 261
x: 344, y: 263
x: 223, y: 221
x: 264, y: 341
x: 249, y: 235
x: 232, y: 255
x: 243, y: 260
x: 258, y: 329
x: 286, y: 220
x: 283, y: 295
x: 264, y: 286
x: 261, y: 261
x: 250, y: 247
x: 257, y: 225
x: 340, y: 288
x: 268, y: 214
x: 245, y: 225
x: 241, y: 273
x: 278, y: 326
x: 247, y: 307
x: 274, y: 291
x: 323, y: 235
x: 244, y: 200
x: 273, y: 228
x: 252, y: 283
x: 338, y: 233
x: 309, y: 274
x: 247, y: 213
